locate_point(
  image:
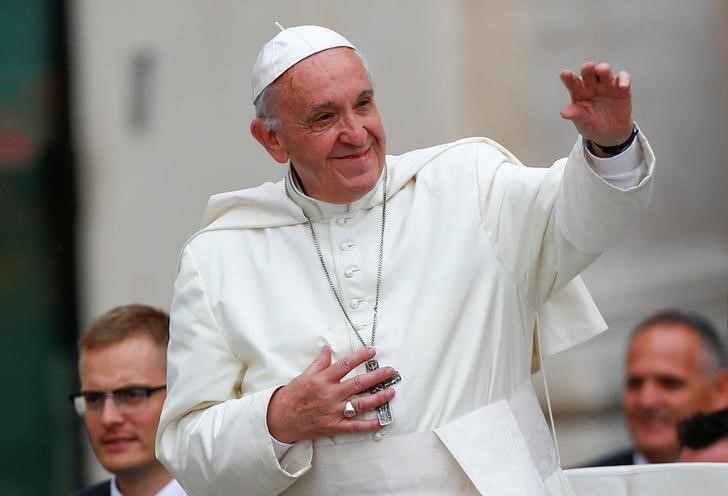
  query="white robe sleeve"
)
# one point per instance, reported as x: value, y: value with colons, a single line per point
x: 547, y: 225
x: 212, y: 438
x: 592, y: 214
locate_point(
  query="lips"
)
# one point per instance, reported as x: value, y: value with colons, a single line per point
x: 654, y: 424
x: 355, y: 156
x: 654, y: 421
x: 117, y: 443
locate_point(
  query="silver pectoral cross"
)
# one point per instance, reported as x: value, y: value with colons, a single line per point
x: 383, y: 412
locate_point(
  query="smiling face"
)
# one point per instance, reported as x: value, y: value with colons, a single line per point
x: 124, y: 444
x: 330, y: 128
x: 668, y: 379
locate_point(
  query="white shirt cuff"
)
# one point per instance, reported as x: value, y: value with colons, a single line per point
x: 279, y: 448
x: 623, y: 171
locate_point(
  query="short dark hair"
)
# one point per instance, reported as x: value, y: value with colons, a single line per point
x: 703, y: 429
x: 125, y: 321
x: 710, y: 341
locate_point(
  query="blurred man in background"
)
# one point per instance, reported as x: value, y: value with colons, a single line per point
x: 704, y: 437
x: 676, y: 366
x: 123, y: 367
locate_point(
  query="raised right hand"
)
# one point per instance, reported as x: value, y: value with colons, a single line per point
x: 312, y: 404
x: 601, y: 103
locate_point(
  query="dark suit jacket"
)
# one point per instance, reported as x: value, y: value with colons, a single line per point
x: 622, y: 458
x: 100, y: 489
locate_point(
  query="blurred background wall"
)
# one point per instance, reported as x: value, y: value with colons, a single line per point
x: 159, y: 113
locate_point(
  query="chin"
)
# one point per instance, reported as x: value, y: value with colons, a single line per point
x: 122, y: 462
x: 364, y: 187
x: 656, y: 445
x: 357, y: 187
x: 370, y: 179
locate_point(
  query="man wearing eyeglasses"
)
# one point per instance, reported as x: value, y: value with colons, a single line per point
x: 122, y: 368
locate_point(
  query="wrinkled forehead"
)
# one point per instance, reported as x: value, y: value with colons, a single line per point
x: 288, y: 48
x: 332, y: 78
x: 331, y: 67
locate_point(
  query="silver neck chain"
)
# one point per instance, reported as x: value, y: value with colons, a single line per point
x: 379, y: 268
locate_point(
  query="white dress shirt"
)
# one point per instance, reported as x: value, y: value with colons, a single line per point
x: 171, y: 489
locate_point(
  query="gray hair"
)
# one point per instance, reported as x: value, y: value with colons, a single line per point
x: 265, y: 104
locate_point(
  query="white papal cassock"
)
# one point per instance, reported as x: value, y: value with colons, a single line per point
x: 477, y: 246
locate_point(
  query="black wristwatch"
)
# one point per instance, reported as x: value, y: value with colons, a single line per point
x: 617, y: 149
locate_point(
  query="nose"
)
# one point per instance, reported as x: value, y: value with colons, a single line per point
x: 353, y: 132
x: 110, y: 413
x: 648, y: 394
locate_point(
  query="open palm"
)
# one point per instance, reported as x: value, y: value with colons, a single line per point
x: 601, y: 103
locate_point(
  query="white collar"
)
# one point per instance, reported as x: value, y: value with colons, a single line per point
x: 171, y: 489
x: 320, y: 210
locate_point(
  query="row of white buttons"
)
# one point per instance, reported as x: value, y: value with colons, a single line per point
x: 354, y: 302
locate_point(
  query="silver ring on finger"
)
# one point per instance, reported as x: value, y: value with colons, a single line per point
x: 349, y: 410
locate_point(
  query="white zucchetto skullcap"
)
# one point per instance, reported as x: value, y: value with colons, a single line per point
x: 289, y: 47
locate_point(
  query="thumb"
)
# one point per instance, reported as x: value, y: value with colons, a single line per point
x: 321, y: 362
x: 579, y: 117
x: 573, y: 112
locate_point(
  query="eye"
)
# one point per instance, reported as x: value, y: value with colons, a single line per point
x: 672, y: 383
x: 131, y: 395
x: 364, y: 102
x: 634, y: 383
x: 94, y: 399
x: 323, y: 117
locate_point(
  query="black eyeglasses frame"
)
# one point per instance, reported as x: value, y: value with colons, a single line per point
x: 147, y: 390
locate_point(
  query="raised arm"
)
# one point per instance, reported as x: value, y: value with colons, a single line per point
x: 549, y: 224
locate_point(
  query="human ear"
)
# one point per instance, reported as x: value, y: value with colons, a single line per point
x: 269, y: 139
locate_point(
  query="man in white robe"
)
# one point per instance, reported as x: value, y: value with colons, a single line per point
x: 442, y: 262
